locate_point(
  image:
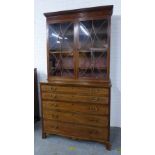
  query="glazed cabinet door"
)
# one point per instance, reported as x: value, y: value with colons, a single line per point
x: 61, y: 61
x: 79, y: 49
x: 93, y: 49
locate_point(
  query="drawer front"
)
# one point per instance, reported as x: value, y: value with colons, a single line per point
x: 101, y: 121
x: 97, y: 109
x: 76, y: 90
x: 74, y: 98
x: 54, y: 127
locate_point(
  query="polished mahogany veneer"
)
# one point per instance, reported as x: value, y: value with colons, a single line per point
x: 76, y: 96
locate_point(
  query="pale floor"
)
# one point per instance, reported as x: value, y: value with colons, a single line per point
x: 57, y: 145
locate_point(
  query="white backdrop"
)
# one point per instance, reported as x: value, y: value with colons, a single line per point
x: 42, y: 6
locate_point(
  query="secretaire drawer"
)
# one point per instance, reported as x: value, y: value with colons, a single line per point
x: 96, y: 109
x: 92, y: 120
x: 76, y: 90
x: 74, y: 98
x: 75, y: 130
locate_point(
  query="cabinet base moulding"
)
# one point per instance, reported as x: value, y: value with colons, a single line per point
x: 106, y: 143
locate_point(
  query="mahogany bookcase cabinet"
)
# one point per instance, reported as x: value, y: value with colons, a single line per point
x: 76, y: 96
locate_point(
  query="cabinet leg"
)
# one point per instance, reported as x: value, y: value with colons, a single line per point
x: 44, y: 135
x: 108, y: 146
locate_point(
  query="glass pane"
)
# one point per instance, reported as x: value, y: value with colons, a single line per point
x: 61, y: 47
x: 61, y: 37
x: 93, y: 38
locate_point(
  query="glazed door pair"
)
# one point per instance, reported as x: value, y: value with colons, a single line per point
x: 79, y: 49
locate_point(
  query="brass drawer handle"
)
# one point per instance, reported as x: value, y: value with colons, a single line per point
x: 53, y: 96
x: 94, y: 108
x: 55, y: 116
x: 53, y: 88
x: 95, y: 99
x: 93, y: 90
x: 55, y: 127
x: 55, y: 104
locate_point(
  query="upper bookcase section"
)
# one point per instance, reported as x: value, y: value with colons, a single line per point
x: 78, y: 44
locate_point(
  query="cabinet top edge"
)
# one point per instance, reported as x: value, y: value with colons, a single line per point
x: 108, y: 8
x: 78, y: 83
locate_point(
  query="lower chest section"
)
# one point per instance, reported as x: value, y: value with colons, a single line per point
x: 79, y: 112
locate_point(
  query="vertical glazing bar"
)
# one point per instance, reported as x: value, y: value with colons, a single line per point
x: 60, y: 56
x: 76, y: 47
x: 47, y: 46
x: 108, y: 50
